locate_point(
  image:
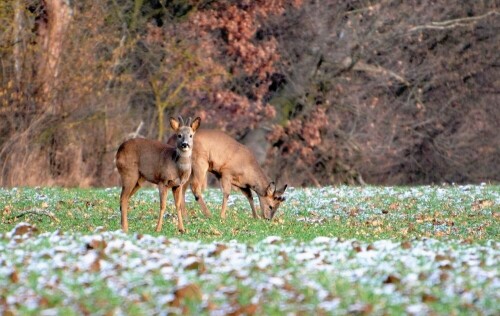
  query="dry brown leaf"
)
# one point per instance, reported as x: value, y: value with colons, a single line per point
x: 14, y: 277
x: 428, y: 298
x: 481, y: 204
x: 353, y: 212
x: 7, y: 210
x: 392, y: 279
x: 444, y: 276
x: 249, y: 309
x: 214, y: 231
x: 96, y: 244
x: 190, y: 292
x: 394, y: 206
x: 195, y: 264
x: 406, y: 245
x: 24, y: 229
x: 219, y: 248
x: 95, y: 266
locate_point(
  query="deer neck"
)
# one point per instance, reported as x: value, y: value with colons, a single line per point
x: 261, y: 182
x: 183, y: 161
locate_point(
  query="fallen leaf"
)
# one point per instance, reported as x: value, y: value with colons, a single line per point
x: 249, y: 309
x: 481, y: 204
x: 394, y: 206
x: 23, y: 229
x: 194, y: 263
x: 190, y: 292
x: 96, y: 244
x: 214, y: 231
x: 406, y: 245
x: 428, y: 298
x: 14, y: 277
x: 392, y: 279
x: 219, y: 248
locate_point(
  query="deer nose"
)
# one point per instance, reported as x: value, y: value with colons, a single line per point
x: 184, y: 145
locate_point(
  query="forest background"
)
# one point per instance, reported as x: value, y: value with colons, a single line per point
x: 324, y: 92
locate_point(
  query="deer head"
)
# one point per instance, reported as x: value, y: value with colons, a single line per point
x: 184, y: 132
x: 270, y: 202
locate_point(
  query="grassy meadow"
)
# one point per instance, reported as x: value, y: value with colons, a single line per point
x: 332, y: 250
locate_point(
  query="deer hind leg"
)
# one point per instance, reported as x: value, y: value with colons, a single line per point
x: 225, y: 183
x: 178, y: 198
x: 163, y: 204
x: 129, y: 188
x: 248, y: 194
x: 198, y: 181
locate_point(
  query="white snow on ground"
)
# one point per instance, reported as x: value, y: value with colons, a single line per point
x: 324, y: 275
x: 67, y: 264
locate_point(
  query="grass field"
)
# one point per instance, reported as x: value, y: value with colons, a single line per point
x: 333, y: 250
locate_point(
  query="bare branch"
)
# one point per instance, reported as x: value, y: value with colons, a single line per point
x: 454, y: 23
x: 362, y: 66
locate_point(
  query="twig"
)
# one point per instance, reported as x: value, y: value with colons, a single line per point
x: 36, y: 212
x: 449, y: 24
x: 137, y: 132
x: 362, y: 66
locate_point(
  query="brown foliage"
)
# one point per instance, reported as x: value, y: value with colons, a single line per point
x: 404, y: 104
x: 350, y: 91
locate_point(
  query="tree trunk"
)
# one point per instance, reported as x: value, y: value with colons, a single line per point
x: 19, y: 44
x: 52, y: 34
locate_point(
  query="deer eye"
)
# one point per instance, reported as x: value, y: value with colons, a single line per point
x: 271, y: 208
x: 190, y: 136
x: 179, y: 136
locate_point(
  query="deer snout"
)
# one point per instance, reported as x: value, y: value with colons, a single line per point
x: 184, y: 145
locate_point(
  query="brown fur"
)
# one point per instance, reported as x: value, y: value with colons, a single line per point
x: 139, y: 160
x: 234, y: 165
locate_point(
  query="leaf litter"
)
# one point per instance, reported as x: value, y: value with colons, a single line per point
x: 56, y: 271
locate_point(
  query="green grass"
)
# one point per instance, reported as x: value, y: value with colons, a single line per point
x: 330, y: 251
x: 455, y: 212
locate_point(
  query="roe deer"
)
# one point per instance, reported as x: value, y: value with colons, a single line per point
x: 139, y: 160
x: 234, y: 165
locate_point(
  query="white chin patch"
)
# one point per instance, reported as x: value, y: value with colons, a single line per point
x: 185, y: 148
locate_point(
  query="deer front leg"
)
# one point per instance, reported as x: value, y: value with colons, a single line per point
x: 178, y: 197
x: 163, y: 205
x: 248, y: 194
x: 185, y: 214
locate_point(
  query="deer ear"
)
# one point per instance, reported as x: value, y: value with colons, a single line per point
x: 271, y: 188
x: 174, y: 124
x: 196, y: 124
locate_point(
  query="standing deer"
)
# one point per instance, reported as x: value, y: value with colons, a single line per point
x: 234, y: 165
x: 139, y: 160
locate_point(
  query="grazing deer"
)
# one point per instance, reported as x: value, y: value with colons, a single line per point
x: 234, y: 165
x: 139, y: 160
